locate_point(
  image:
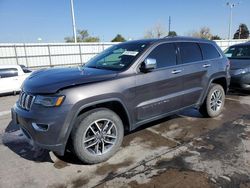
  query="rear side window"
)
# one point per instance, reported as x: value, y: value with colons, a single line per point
x: 190, y: 52
x: 165, y: 55
x: 209, y: 51
x: 6, y: 73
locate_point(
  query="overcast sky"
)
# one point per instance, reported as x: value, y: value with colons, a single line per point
x: 28, y: 20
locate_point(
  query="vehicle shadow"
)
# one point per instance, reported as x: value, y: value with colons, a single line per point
x: 189, y: 112
x: 238, y: 92
x: 17, y: 142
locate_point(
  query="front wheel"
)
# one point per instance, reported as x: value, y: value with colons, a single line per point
x: 97, y: 135
x: 214, y: 102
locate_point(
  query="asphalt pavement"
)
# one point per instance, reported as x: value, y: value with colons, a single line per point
x: 184, y: 150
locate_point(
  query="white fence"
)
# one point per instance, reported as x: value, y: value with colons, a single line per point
x: 223, y: 44
x: 37, y: 55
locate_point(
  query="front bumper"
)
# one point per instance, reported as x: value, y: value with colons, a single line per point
x: 51, y: 133
x: 241, y: 81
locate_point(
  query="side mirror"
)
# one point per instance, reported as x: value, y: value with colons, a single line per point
x: 148, y: 65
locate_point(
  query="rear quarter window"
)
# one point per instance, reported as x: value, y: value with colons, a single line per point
x: 209, y: 51
x: 190, y: 52
x: 8, y: 72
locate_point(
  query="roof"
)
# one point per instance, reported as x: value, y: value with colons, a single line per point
x: 176, y: 38
x: 242, y: 44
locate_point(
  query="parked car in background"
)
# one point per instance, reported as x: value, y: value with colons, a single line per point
x: 239, y: 56
x: 88, y: 108
x: 12, y: 77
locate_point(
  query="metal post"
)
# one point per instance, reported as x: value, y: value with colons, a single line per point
x: 16, y: 55
x: 73, y: 20
x: 25, y: 53
x: 80, y: 51
x: 169, y: 25
x: 231, y: 6
x: 50, y: 63
x: 230, y: 22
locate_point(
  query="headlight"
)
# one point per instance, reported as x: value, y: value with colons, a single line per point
x: 241, y: 71
x: 246, y: 70
x: 49, y: 101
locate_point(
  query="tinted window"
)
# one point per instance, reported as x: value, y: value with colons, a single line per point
x: 238, y: 52
x: 11, y: 72
x: 190, y: 52
x: 165, y: 55
x: 209, y: 51
x: 118, y: 57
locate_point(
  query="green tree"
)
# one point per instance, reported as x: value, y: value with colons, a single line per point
x: 242, y: 32
x: 118, y: 38
x: 82, y: 36
x: 215, y: 37
x: 172, y: 33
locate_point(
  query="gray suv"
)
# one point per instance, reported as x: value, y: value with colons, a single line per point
x: 89, y: 108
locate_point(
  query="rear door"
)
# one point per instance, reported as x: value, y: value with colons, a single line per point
x: 158, y: 92
x: 194, y: 72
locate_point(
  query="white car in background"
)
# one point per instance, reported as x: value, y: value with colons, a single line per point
x: 12, y: 77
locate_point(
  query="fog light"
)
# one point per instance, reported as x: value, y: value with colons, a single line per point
x: 40, y: 126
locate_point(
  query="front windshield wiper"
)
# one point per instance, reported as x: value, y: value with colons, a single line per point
x: 95, y: 67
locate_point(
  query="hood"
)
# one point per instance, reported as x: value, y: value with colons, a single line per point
x: 54, y: 79
x: 239, y: 63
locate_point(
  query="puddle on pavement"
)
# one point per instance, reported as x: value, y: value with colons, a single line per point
x: 60, y: 164
x: 79, y: 182
x: 150, y: 139
x: 174, y: 178
x: 107, y: 168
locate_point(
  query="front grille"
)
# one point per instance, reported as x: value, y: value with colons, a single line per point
x: 26, y: 100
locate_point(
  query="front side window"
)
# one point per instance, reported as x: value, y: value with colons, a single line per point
x: 238, y: 52
x: 209, y: 51
x: 8, y: 72
x: 165, y: 55
x: 190, y: 52
x: 118, y: 57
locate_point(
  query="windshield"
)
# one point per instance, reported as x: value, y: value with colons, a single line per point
x: 238, y: 52
x: 118, y: 57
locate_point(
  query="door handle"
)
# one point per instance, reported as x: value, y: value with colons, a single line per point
x: 176, y: 71
x: 206, y: 65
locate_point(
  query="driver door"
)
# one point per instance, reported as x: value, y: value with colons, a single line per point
x: 158, y: 92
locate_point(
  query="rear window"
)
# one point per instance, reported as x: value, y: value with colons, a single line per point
x: 6, y: 73
x: 238, y: 52
x: 209, y: 51
x: 190, y: 52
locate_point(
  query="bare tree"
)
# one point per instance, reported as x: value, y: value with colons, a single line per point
x: 204, y: 33
x: 157, y: 31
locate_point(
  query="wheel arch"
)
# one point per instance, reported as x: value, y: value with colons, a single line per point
x: 219, y: 79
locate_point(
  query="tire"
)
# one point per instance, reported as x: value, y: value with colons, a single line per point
x: 208, y: 108
x: 86, y: 133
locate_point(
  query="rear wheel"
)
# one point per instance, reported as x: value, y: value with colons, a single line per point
x: 97, y: 135
x: 214, y: 102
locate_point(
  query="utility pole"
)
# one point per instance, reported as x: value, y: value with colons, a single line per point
x: 231, y: 6
x: 169, y: 24
x: 73, y: 20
